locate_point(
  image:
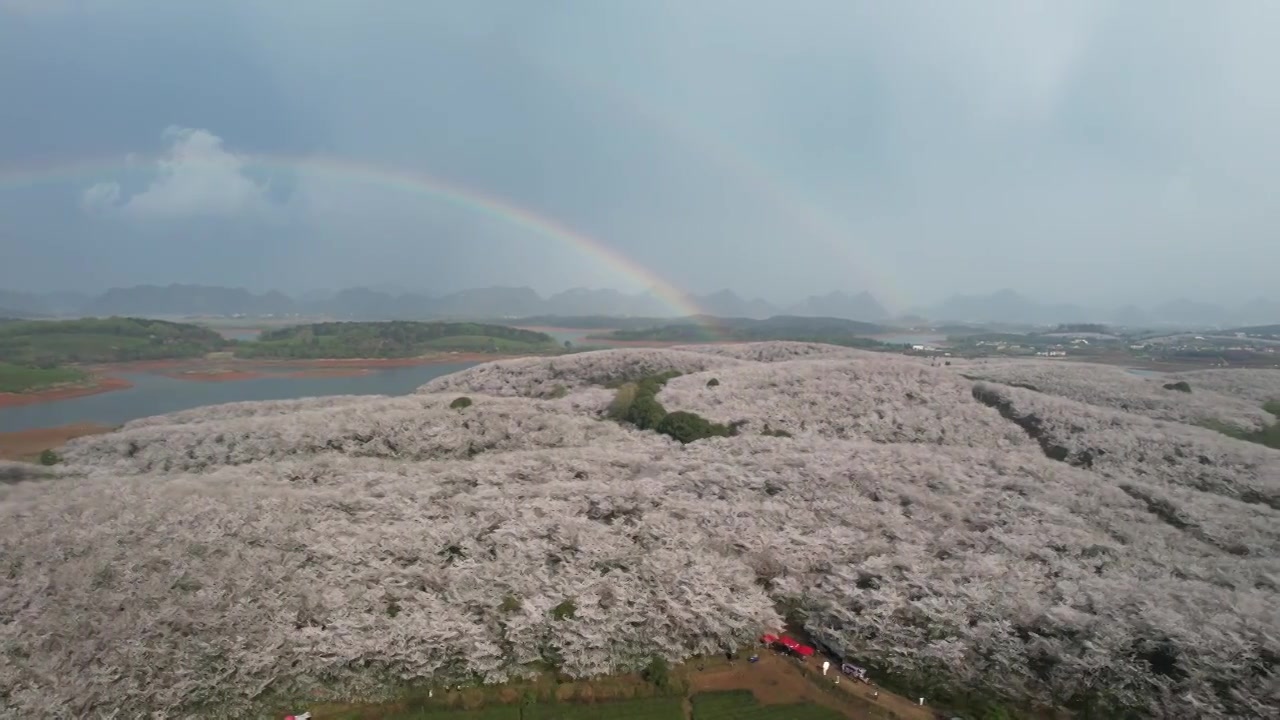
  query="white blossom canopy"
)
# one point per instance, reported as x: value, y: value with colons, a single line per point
x: 1077, y: 541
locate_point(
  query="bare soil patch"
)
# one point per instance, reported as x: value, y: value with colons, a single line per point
x: 778, y: 680
x: 26, y: 445
x: 773, y: 680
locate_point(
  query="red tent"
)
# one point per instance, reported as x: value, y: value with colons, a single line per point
x: 795, y: 646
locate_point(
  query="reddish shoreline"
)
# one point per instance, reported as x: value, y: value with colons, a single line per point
x: 100, y: 385
x: 28, y: 444
x: 214, y: 375
x: 233, y: 369
x: 322, y: 372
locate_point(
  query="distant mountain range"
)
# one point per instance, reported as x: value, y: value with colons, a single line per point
x: 370, y: 304
x: 1003, y: 307
x: 1011, y: 308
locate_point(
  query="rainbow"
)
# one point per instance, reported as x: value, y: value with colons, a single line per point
x: 451, y: 193
x: 864, y: 266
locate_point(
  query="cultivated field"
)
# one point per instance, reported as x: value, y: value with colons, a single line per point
x: 742, y: 705
x: 1035, y: 534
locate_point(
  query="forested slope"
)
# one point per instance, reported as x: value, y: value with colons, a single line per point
x: 398, y: 338
x: 1087, y: 548
x: 49, y: 343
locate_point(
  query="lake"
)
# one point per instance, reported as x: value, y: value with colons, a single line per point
x: 154, y: 394
x: 911, y: 339
x: 1140, y: 372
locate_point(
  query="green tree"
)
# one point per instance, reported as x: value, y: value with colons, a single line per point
x: 620, y: 407
x: 564, y: 610
x: 646, y: 412
x: 658, y: 672
x: 688, y: 427
x: 49, y: 457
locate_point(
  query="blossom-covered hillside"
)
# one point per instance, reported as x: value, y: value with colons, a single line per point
x: 1114, y: 387
x: 1043, y: 546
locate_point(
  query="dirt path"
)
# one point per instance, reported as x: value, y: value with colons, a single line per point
x: 779, y: 680
x: 896, y: 705
x: 774, y: 680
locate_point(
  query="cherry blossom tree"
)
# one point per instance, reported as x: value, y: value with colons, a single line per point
x: 1044, y: 546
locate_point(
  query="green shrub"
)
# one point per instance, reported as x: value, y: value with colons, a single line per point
x: 637, y: 403
x: 713, y: 382
x: 49, y: 457
x: 1269, y: 436
x: 558, y: 392
x: 621, y: 405
x: 657, y: 672
x: 646, y: 412
x: 460, y: 403
x: 1180, y: 386
x: 688, y: 427
x: 564, y: 610
x: 685, y: 426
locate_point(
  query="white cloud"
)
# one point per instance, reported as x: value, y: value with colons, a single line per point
x: 196, y: 176
x: 102, y: 197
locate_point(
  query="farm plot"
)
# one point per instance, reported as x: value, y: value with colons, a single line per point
x: 667, y: 708
x: 742, y: 705
x: 495, y: 712
x: 638, y: 709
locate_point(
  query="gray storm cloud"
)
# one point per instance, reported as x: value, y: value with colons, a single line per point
x: 1090, y: 150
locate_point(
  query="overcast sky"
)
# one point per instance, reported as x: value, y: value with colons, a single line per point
x: 1088, y: 151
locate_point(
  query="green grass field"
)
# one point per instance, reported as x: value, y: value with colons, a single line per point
x: 638, y: 709
x: 17, y: 378
x: 495, y: 712
x: 742, y: 705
